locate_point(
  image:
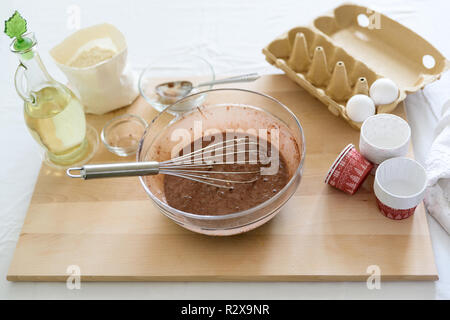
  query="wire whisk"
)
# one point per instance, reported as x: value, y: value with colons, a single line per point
x: 220, y: 164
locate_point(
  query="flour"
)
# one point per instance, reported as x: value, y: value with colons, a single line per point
x: 92, y: 57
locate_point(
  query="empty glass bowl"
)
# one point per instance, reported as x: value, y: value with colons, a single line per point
x: 121, y: 135
x: 174, y: 67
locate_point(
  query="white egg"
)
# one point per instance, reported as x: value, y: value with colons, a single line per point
x: 383, y: 91
x: 360, y: 107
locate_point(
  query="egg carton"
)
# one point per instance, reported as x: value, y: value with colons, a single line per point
x: 344, y: 52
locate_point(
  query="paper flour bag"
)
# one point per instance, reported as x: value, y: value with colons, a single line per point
x: 94, y: 60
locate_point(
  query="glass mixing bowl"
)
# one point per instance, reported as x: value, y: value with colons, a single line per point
x: 223, y: 110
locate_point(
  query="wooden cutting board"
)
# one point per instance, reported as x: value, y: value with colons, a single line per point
x: 113, y: 232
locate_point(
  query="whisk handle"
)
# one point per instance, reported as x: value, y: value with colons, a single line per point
x: 110, y: 170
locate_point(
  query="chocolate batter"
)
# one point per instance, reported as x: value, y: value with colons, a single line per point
x: 199, y: 198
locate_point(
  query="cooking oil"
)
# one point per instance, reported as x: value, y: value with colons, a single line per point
x: 56, y: 121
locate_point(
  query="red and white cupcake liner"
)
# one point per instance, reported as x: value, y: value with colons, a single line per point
x: 349, y: 170
x: 395, y: 214
x: 399, y: 187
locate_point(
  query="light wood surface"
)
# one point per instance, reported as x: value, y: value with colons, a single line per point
x: 113, y: 232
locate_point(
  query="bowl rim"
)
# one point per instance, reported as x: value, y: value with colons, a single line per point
x: 239, y: 213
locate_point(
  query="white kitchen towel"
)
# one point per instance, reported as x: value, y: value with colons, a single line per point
x: 437, y: 165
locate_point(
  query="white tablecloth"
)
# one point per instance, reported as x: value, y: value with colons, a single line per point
x: 230, y: 34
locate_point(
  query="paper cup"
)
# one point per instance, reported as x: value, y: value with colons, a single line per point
x: 384, y: 136
x: 399, y: 187
x: 348, y: 171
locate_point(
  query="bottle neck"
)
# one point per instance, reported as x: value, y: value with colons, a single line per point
x: 36, y: 74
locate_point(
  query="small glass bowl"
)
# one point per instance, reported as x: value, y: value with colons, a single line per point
x: 121, y: 135
x: 174, y: 67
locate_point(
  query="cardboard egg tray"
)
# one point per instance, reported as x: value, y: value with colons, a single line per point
x: 344, y: 52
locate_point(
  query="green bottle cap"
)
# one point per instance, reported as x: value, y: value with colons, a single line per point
x: 15, y: 27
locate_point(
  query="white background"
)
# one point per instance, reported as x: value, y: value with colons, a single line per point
x: 230, y: 34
